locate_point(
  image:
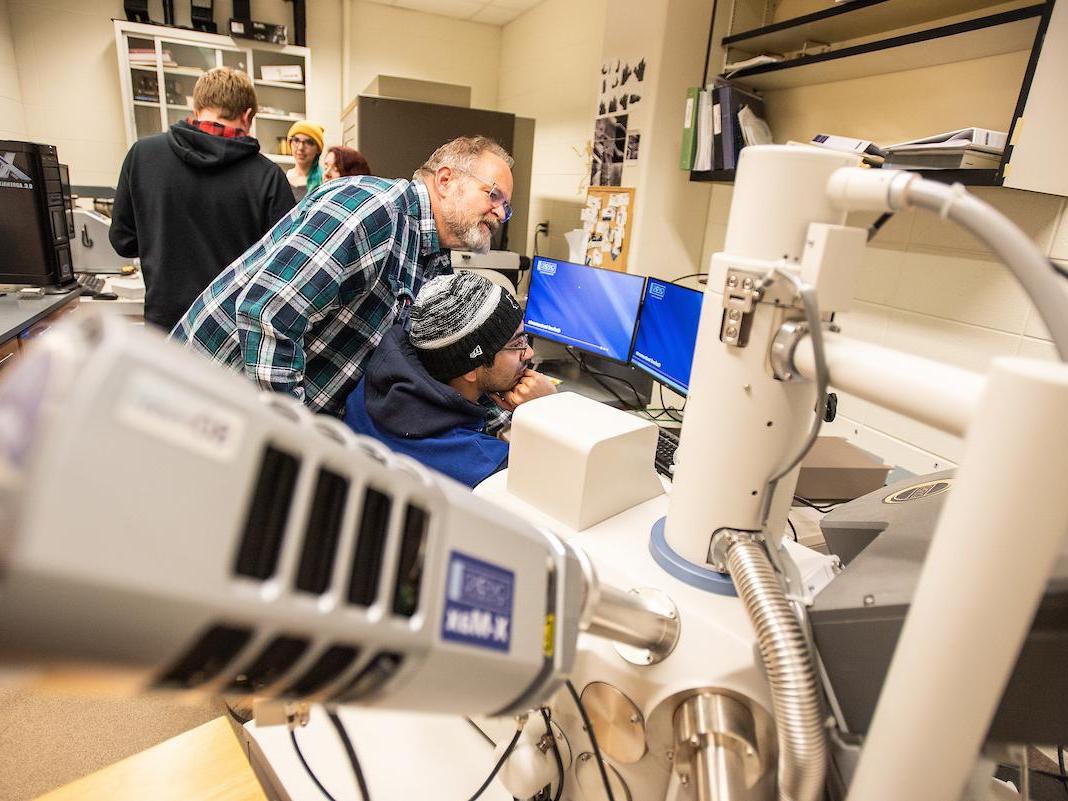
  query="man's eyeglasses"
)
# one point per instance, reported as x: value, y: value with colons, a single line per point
x: 496, y: 196
x: 520, y: 343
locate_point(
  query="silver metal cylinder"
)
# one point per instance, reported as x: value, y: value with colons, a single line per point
x: 716, y: 747
x: 631, y: 619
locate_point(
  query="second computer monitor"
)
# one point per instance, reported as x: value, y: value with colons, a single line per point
x: 667, y: 333
x: 585, y: 307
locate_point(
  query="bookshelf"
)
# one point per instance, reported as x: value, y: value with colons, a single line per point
x: 854, y: 47
x: 154, y: 56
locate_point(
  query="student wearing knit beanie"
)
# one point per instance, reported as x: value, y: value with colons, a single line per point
x: 427, y: 393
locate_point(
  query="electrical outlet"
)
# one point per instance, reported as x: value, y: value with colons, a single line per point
x: 543, y: 228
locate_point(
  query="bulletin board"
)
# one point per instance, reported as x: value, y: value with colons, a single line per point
x: 607, y: 220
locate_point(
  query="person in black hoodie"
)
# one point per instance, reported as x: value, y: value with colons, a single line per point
x: 193, y: 199
x: 431, y: 392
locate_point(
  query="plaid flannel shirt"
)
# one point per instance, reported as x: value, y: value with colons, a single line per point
x: 302, y: 310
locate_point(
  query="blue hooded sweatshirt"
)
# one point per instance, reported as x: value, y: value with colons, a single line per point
x: 401, y: 405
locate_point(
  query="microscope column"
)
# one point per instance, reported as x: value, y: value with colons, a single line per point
x: 742, y: 424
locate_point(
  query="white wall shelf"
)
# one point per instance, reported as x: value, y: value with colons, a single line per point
x: 986, y: 36
x: 849, y: 21
x: 193, y: 53
x: 869, y: 38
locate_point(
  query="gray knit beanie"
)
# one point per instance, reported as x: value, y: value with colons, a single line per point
x: 460, y: 322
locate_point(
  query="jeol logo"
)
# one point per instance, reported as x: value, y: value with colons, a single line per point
x: 547, y: 267
x: 657, y: 291
x: 8, y: 170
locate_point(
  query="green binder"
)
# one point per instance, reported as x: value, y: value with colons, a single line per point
x: 689, y: 130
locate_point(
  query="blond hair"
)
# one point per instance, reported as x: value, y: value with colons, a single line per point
x: 228, y: 90
x: 462, y: 153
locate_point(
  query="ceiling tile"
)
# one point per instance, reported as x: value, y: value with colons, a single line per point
x: 496, y: 15
x: 490, y: 12
x: 460, y: 9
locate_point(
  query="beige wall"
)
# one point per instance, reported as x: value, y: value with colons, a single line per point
x: 666, y: 234
x: 429, y: 47
x: 12, y: 116
x: 550, y: 71
x: 68, y: 77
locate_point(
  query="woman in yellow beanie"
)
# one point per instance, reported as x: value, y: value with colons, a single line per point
x: 305, y: 143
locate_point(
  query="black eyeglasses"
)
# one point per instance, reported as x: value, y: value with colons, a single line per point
x: 520, y: 343
x: 496, y: 196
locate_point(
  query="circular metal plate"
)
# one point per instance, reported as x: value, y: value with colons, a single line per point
x: 662, y: 603
x: 617, y: 722
x: 590, y: 782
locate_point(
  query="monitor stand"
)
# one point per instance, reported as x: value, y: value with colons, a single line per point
x: 553, y: 360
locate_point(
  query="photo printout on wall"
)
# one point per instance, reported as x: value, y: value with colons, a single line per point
x: 609, y: 149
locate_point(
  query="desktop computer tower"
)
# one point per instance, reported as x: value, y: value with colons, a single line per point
x: 35, y: 216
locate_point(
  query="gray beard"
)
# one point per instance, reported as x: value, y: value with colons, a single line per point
x: 476, y: 238
x: 472, y: 237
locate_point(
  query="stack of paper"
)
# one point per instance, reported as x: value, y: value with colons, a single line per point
x: 967, y: 148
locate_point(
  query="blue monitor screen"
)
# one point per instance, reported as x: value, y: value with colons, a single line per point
x: 667, y: 333
x: 585, y: 307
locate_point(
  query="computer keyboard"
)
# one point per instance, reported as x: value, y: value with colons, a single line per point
x: 666, y: 445
x: 90, y: 284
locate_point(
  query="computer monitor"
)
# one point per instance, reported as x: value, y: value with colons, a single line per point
x: 667, y: 333
x: 588, y: 308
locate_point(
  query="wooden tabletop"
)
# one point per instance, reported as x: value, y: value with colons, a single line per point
x: 204, y: 764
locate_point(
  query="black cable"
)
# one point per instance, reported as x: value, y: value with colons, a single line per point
x: 691, y: 275
x: 500, y: 763
x: 880, y: 221
x: 1061, y: 777
x: 350, y: 751
x: 593, y: 739
x: 597, y: 375
x: 307, y: 767
x: 816, y: 506
x: 637, y: 396
x: 666, y: 408
x: 478, y: 728
x: 1060, y: 764
x: 790, y: 523
x: 547, y: 717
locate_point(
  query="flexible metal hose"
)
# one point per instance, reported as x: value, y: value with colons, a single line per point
x: 794, y: 693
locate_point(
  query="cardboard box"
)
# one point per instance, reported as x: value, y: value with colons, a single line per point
x: 835, y: 470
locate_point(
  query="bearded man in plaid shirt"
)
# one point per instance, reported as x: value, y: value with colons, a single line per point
x: 302, y: 310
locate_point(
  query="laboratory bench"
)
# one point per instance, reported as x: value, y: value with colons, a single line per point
x: 23, y: 318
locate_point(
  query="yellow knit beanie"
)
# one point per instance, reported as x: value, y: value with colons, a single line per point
x: 309, y: 129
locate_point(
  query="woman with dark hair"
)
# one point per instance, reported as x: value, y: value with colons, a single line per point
x: 340, y: 162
